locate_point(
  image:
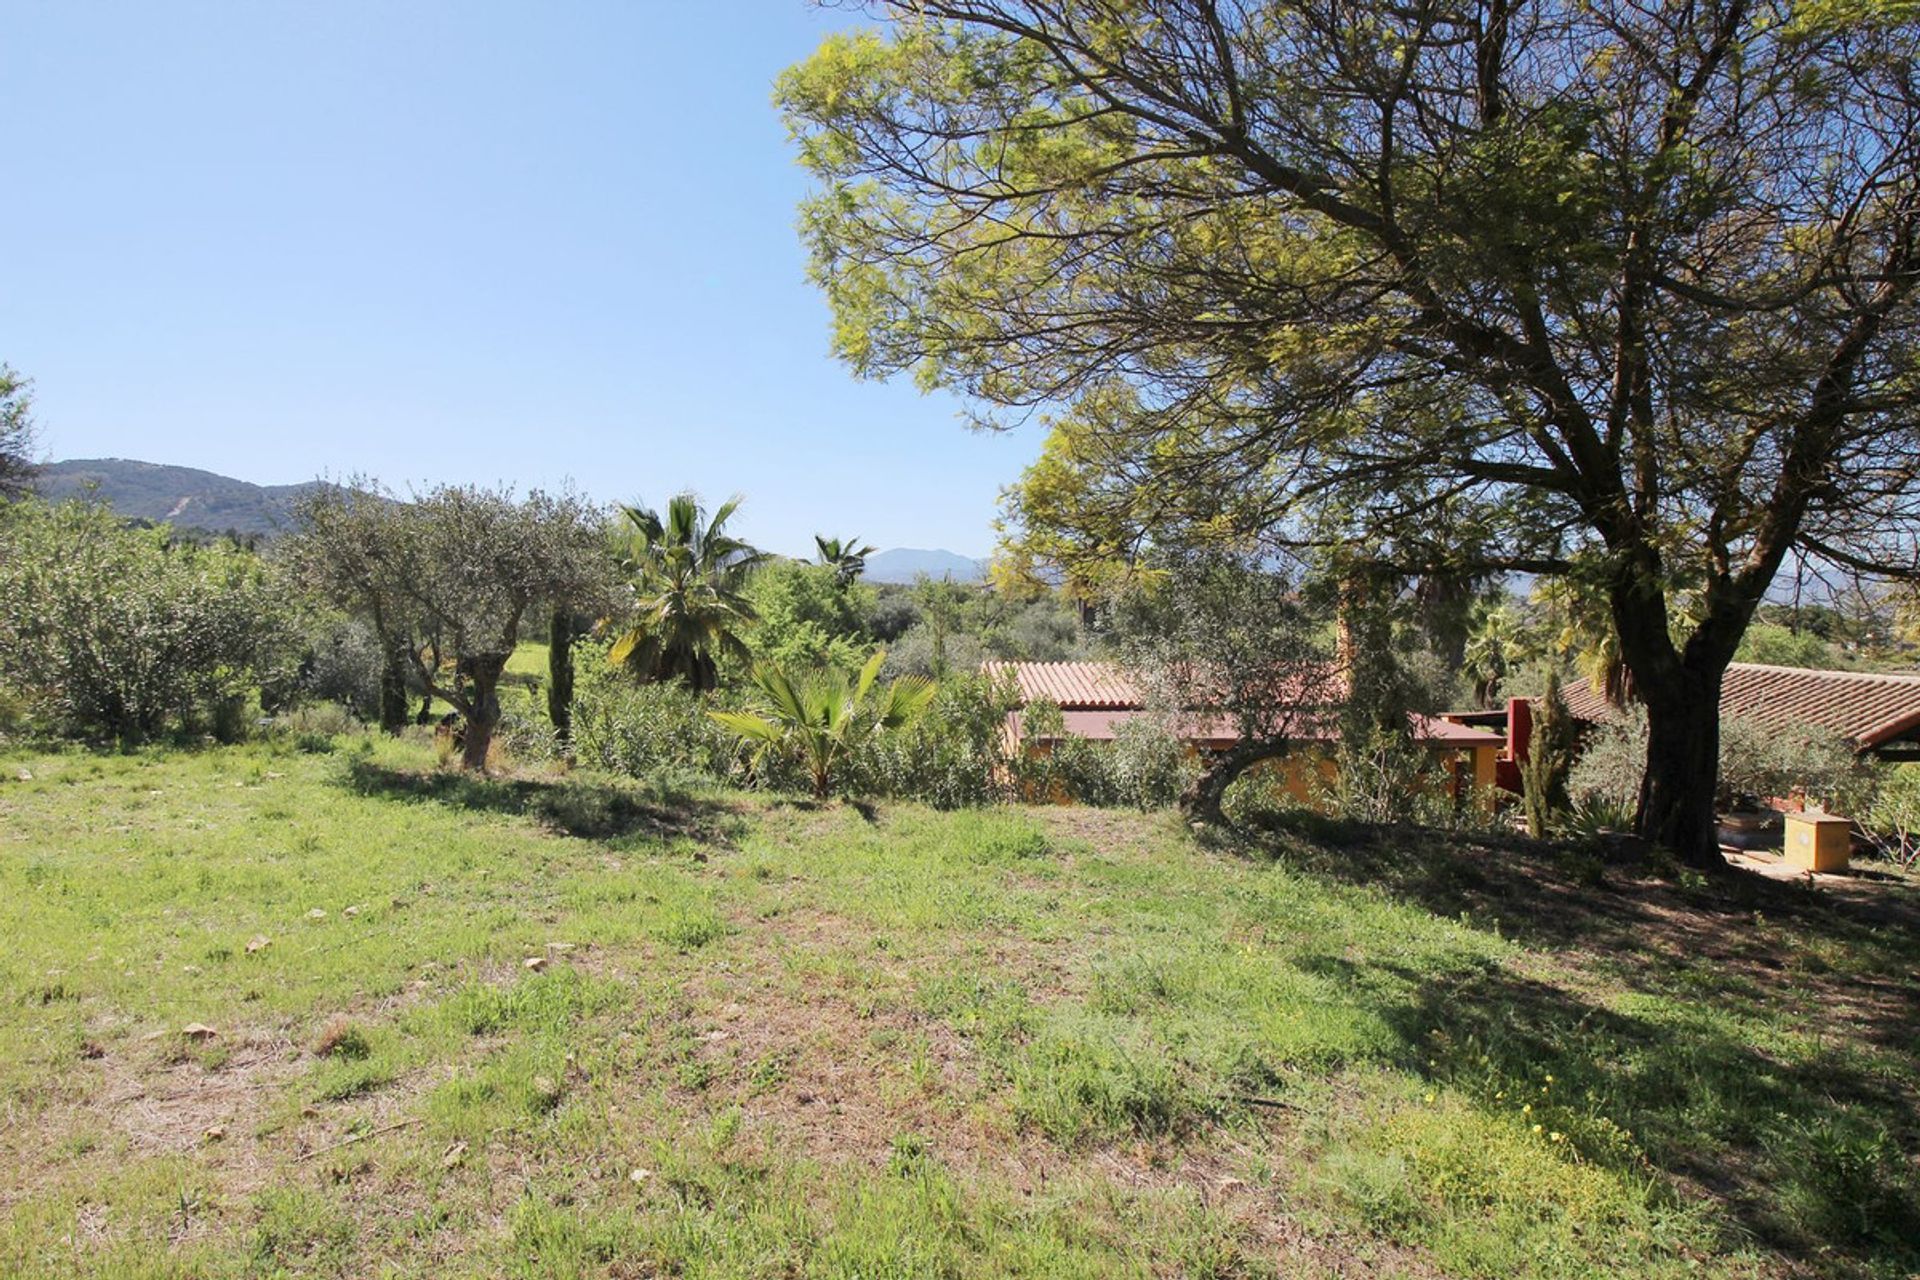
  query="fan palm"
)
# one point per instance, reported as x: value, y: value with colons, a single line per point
x: 1494, y: 647
x: 688, y: 573
x: 826, y: 716
x: 847, y: 559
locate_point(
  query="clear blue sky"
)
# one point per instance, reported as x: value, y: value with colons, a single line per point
x: 473, y: 242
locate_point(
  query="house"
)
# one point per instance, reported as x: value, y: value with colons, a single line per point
x: 1878, y: 712
x: 1096, y: 699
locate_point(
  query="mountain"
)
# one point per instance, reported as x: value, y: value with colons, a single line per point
x: 904, y: 564
x: 182, y: 496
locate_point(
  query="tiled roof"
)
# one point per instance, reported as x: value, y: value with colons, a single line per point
x: 1095, y: 700
x: 1868, y: 708
x: 1076, y: 686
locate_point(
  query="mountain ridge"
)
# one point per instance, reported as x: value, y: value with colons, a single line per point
x: 192, y: 498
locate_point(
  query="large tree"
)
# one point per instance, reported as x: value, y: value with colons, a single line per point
x: 1617, y: 289
x: 452, y: 573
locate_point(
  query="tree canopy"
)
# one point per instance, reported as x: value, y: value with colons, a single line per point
x: 687, y: 573
x: 1595, y: 288
x: 448, y: 578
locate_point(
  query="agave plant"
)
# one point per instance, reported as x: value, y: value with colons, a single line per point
x: 688, y: 573
x: 825, y: 715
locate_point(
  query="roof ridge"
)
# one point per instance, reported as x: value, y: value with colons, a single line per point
x: 1831, y: 673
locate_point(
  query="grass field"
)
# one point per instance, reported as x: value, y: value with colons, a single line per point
x: 267, y: 1013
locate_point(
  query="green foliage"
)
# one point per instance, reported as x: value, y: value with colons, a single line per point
x: 807, y: 615
x: 1145, y: 766
x: 689, y: 609
x: 1758, y: 761
x: 847, y: 557
x: 1771, y: 643
x: 649, y: 730
x: 17, y: 463
x: 449, y: 577
x: 1543, y: 774
x: 121, y: 632
x: 821, y: 718
x: 1892, y: 821
x: 1262, y: 313
x: 953, y: 755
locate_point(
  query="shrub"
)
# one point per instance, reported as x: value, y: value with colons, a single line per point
x: 807, y: 617
x: 646, y: 730
x: 1757, y: 762
x: 343, y: 664
x: 1146, y: 766
x: 1892, y: 820
x: 952, y: 756
x: 1610, y: 763
x: 117, y: 631
x: 1543, y: 774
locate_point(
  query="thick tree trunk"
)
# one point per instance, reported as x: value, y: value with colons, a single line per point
x: 1683, y: 770
x: 483, y: 701
x: 560, y: 678
x: 1202, y: 799
x: 1681, y: 691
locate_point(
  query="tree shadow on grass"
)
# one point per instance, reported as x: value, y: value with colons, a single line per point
x: 589, y: 808
x: 1744, y: 939
x: 1805, y: 1146
x: 1805, y: 1156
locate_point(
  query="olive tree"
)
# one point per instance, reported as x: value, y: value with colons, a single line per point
x: 1223, y: 642
x: 449, y: 576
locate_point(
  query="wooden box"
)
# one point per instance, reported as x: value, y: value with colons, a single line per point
x: 1818, y: 841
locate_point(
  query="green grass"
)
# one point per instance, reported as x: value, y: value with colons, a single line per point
x: 761, y: 1037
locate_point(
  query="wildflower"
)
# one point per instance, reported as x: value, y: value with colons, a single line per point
x: 1549, y: 1079
x: 1527, y: 1109
x: 1557, y: 1136
x: 1429, y: 1097
x: 1536, y: 1128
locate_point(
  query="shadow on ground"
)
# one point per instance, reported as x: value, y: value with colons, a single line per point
x: 1648, y: 1007
x: 592, y: 809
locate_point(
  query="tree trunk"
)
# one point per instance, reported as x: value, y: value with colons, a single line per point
x: 482, y: 697
x: 1201, y: 801
x: 1683, y: 769
x: 393, y: 685
x: 560, y: 678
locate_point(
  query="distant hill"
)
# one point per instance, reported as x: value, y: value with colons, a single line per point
x: 904, y: 564
x: 181, y: 496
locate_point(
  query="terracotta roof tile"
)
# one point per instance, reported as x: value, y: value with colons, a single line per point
x: 1076, y: 686
x: 1095, y: 700
x: 1868, y: 708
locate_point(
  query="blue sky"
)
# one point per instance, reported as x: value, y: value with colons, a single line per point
x: 437, y: 241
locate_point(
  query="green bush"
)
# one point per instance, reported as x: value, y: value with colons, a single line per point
x: 1146, y: 766
x: 648, y: 730
x: 122, y: 632
x: 1757, y: 762
x: 1892, y: 820
x: 954, y: 755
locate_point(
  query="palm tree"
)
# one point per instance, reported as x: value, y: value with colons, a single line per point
x: 826, y: 716
x: 847, y: 559
x: 1494, y: 647
x: 688, y: 573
